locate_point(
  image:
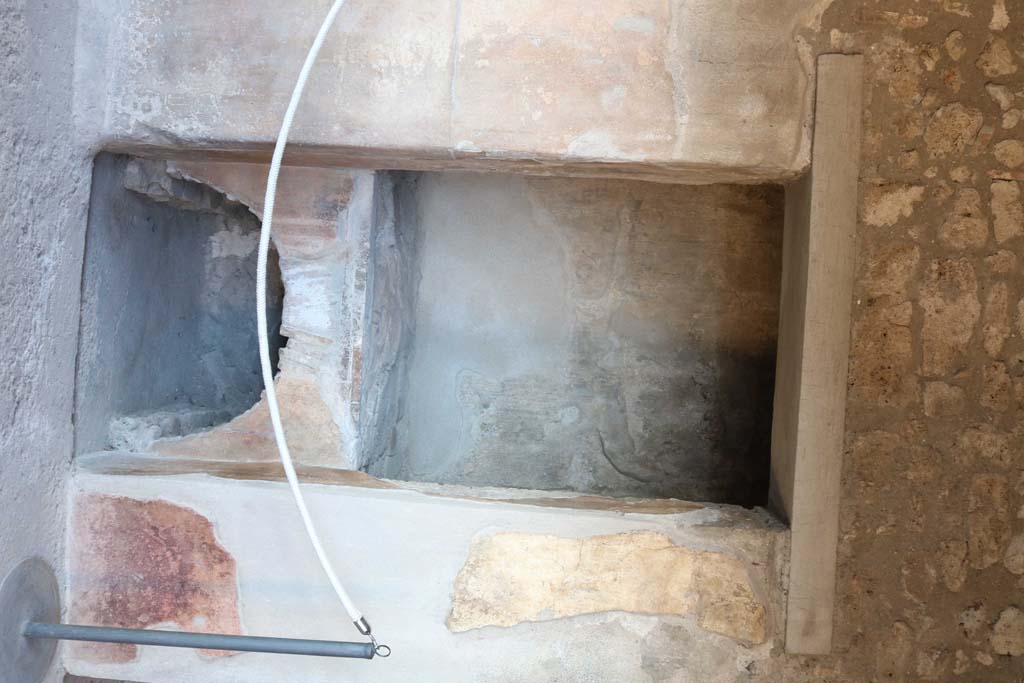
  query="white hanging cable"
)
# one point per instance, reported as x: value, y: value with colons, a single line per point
x: 261, y: 321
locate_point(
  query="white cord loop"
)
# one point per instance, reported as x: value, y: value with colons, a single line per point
x: 261, y: 318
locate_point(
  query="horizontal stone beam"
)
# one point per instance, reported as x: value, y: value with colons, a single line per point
x: 690, y: 90
x: 464, y: 589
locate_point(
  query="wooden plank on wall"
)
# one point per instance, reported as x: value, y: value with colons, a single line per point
x: 814, y: 344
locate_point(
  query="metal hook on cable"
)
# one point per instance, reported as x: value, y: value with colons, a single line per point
x: 363, y: 626
x: 380, y: 650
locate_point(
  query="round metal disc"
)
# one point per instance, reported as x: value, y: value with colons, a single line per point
x: 29, y: 593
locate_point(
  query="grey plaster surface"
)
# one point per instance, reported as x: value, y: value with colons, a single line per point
x: 168, y: 336
x: 392, y: 282
x: 601, y: 336
x: 44, y: 181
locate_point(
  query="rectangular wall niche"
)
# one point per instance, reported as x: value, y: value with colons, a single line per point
x: 168, y: 321
x: 603, y: 336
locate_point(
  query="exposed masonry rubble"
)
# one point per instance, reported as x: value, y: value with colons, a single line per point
x: 167, y: 336
x: 321, y: 231
x: 930, y: 570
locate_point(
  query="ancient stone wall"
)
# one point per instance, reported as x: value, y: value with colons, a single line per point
x: 930, y: 569
x: 929, y: 572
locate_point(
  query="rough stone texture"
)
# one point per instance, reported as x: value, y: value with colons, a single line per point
x: 1014, y: 557
x: 44, y: 181
x: 882, y: 361
x: 951, y: 129
x: 1002, y: 262
x: 996, y: 327
x: 1000, y: 17
x: 886, y: 204
x: 1007, y: 211
x: 949, y: 301
x: 967, y: 226
x: 895, y: 652
x: 168, y: 336
x: 995, y: 388
x: 1008, y: 633
x: 511, y: 578
x: 141, y: 564
x: 321, y: 231
x: 709, y: 89
x: 593, y: 335
x: 1009, y: 153
x: 988, y: 521
x: 952, y: 564
x: 891, y: 268
x: 983, y: 444
x: 929, y: 491
x: 1001, y: 94
x: 997, y: 59
x: 943, y: 400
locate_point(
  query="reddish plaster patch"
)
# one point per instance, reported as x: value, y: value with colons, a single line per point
x: 140, y: 564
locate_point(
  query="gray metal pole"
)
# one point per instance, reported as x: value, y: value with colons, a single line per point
x: 205, y: 641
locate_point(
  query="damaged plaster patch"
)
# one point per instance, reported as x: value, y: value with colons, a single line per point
x: 323, y: 222
x: 595, y: 143
x: 168, y: 337
x: 233, y: 242
x: 142, y: 564
x: 511, y: 578
x: 313, y: 436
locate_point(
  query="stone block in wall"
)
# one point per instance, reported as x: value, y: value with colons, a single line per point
x: 703, y: 90
x: 650, y: 591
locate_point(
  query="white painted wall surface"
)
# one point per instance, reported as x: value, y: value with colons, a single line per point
x: 399, y: 552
